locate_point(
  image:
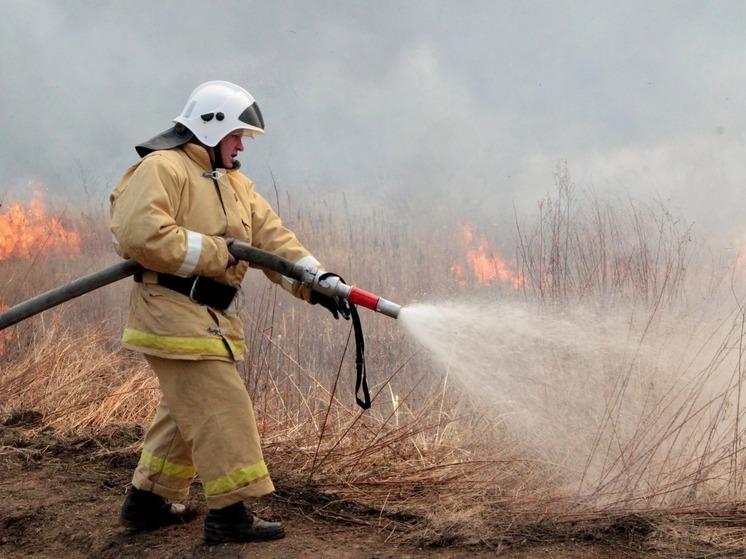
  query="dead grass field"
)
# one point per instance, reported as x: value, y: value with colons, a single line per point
x: 428, y: 471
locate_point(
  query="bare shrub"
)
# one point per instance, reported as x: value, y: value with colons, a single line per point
x: 584, y: 248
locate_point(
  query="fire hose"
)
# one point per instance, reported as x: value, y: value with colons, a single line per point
x: 314, y: 279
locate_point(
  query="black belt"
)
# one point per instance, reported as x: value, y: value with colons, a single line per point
x: 200, y: 289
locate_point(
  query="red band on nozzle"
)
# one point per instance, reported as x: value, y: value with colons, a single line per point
x: 363, y: 298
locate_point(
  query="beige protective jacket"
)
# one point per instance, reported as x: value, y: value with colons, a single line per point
x: 171, y: 216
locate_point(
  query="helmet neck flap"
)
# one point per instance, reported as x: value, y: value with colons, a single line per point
x: 175, y: 136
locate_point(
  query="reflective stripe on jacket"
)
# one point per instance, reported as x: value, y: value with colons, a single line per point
x: 171, y: 216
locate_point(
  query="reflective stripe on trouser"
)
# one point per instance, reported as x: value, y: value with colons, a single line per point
x: 204, y: 425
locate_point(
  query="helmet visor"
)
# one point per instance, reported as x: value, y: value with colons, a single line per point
x: 252, y: 116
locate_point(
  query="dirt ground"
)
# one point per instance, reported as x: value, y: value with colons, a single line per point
x: 61, y: 498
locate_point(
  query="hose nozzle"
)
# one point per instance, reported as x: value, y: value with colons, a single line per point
x: 333, y: 286
x: 373, y: 302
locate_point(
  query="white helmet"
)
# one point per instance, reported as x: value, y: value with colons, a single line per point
x: 217, y: 108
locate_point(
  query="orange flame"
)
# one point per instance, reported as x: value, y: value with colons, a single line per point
x: 485, y: 265
x: 27, y: 231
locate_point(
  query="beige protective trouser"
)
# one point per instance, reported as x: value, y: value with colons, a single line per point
x: 205, y: 425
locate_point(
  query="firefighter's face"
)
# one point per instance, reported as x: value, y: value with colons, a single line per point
x: 230, y: 147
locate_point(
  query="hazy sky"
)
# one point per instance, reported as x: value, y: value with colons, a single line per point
x: 469, y: 103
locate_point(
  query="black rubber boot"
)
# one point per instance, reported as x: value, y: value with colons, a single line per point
x: 234, y: 524
x: 143, y: 510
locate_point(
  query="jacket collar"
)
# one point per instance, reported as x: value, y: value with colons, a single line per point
x: 199, y: 155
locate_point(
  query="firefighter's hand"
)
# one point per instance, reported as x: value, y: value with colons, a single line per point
x: 336, y: 305
x: 232, y: 260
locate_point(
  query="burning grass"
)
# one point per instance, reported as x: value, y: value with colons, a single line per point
x: 28, y: 230
x: 660, y: 439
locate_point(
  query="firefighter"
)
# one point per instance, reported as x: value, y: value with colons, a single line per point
x: 175, y: 212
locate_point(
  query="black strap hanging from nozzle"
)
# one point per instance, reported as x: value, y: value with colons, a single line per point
x: 362, y: 379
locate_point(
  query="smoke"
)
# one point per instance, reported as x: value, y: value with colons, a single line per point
x: 422, y: 107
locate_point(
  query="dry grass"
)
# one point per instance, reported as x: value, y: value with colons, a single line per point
x: 428, y: 461
x: 78, y: 380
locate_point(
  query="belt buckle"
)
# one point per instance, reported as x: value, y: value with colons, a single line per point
x: 202, y: 293
x: 236, y: 303
x: 193, y: 290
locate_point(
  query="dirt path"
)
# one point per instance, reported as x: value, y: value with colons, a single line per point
x: 61, y: 499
